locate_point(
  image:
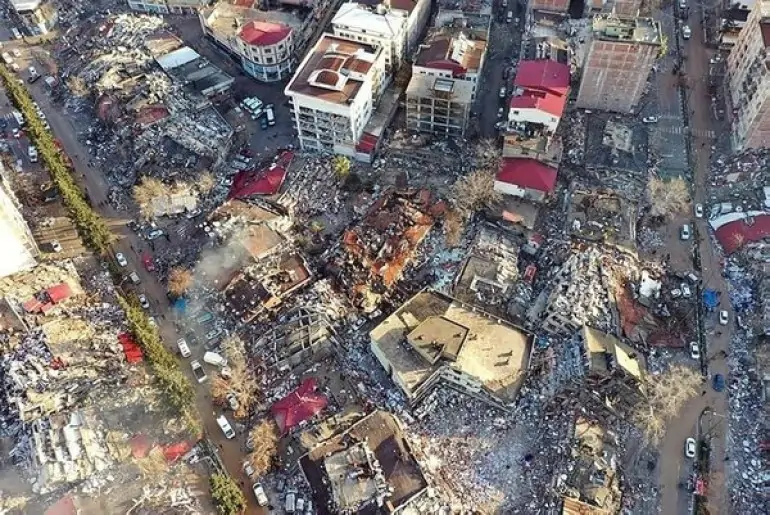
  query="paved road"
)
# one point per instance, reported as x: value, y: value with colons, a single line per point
x: 673, y: 463
x: 93, y: 181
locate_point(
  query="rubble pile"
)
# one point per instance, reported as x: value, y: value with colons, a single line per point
x: 739, y: 178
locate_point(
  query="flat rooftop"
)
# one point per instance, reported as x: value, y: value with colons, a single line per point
x: 430, y: 86
x: 492, y: 351
x: 451, y: 51
x: 634, y: 30
x: 334, y: 69
x: 230, y: 20
x: 381, y: 433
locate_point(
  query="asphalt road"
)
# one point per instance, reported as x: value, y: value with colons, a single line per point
x: 131, y: 245
x: 674, y: 466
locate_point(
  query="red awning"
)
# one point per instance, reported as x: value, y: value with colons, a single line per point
x: 300, y: 405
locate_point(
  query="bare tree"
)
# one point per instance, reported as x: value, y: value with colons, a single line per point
x: 242, y: 383
x: 265, y: 440
x: 146, y: 192
x: 179, y: 281
x: 668, y: 198
x: 206, y: 182
x: 220, y: 387
x: 475, y: 191
x: 665, y: 395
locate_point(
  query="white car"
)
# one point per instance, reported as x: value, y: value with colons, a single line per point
x: 650, y: 119
x: 503, y: 92
x: 121, y: 259
x: 198, y: 372
x: 694, y: 350
x: 184, y: 349
x: 143, y: 301
x: 685, y: 233
x: 686, y: 292
x: 56, y: 246
x: 259, y: 493
x: 500, y: 112
x: 152, y: 321
x: 723, y: 317
x: 698, y: 210
x: 690, y: 448
x: 686, y: 32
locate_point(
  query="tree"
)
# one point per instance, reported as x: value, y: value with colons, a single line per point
x: 242, y: 382
x: 341, y: 166
x: 665, y: 395
x: 227, y: 495
x: 668, y: 198
x: 146, y: 192
x: 453, y: 227
x: 475, y: 191
x: 206, y: 182
x: 179, y: 281
x: 265, y: 439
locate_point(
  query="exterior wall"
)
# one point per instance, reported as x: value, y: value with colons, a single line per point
x: 436, y: 116
x: 756, y: 132
x: 614, y: 75
x: 392, y: 46
x: 472, y: 77
x: 416, y: 23
x: 537, y: 116
x: 554, y: 6
x: 37, y: 17
x: 19, y: 248
x: 516, y: 191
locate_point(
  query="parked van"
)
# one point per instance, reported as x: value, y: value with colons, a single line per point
x: 509, y: 17
x: 212, y: 358
x: 270, y: 116
x: 225, y: 426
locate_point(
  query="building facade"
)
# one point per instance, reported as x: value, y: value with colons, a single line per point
x: 438, y: 105
x: 262, y: 41
x: 37, y: 16
x: 168, y: 6
x: 334, y: 92
x: 457, y: 56
x: 749, y: 81
x: 19, y: 247
x: 618, y: 62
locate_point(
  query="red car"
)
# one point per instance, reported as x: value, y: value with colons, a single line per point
x: 148, y: 264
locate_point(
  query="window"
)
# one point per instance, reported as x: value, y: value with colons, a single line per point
x: 269, y: 60
x: 268, y: 50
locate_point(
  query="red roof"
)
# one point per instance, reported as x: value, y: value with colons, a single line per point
x: 733, y: 235
x: 542, y: 100
x: 59, y: 292
x: 543, y: 74
x: 367, y: 143
x: 449, y: 65
x: 130, y: 348
x: 267, y: 181
x: 262, y: 33
x: 527, y: 173
x: 300, y: 405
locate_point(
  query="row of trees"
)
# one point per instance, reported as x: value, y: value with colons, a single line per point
x: 90, y: 225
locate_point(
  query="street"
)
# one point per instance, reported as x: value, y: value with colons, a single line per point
x: 674, y: 467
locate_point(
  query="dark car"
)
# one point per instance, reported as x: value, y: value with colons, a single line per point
x: 718, y: 383
x: 263, y: 123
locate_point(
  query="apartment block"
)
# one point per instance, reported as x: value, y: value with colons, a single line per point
x: 414, y: 12
x: 334, y: 92
x: 540, y: 95
x: 168, y: 6
x: 452, y: 55
x: 37, y: 16
x: 19, y: 247
x: 749, y: 81
x: 618, y: 61
x: 262, y: 41
x: 438, y: 105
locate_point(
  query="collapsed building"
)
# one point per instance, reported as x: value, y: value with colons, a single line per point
x: 434, y: 340
x: 602, y: 216
x: 368, y: 469
x: 373, y: 254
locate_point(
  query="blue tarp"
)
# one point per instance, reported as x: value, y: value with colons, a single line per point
x: 710, y: 299
x: 180, y: 305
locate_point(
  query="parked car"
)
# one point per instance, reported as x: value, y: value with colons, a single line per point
x: 685, y: 233
x: 502, y: 92
x: 225, y: 426
x: 143, y: 301
x: 650, y: 119
x: 232, y: 401
x: 718, y: 383
x: 259, y: 493
x: 248, y: 469
x: 192, y: 214
x: 698, y: 210
x: 148, y: 263
x: 184, y: 349
x: 500, y: 112
x: 56, y: 246
x: 121, y: 259
x: 198, y: 372
x: 694, y: 350
x: 686, y: 292
x: 154, y: 234
x: 686, y: 32
x: 690, y: 448
x: 723, y: 317
x: 134, y: 277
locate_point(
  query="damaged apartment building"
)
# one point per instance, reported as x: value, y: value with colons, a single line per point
x: 445, y: 74
x: 373, y: 254
x: 146, y: 80
x: 436, y: 341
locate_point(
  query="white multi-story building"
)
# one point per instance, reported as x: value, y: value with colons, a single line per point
x: 263, y: 41
x: 334, y: 92
x: 37, y: 16
x: 415, y: 12
x: 168, y: 6
x: 19, y: 248
x: 376, y: 25
x: 749, y: 80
